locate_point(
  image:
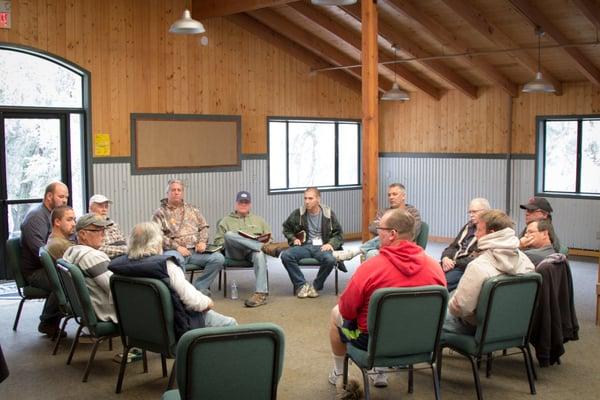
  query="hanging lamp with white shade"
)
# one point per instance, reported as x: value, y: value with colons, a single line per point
x: 186, y: 25
x: 333, y: 2
x: 395, y: 93
x: 539, y: 84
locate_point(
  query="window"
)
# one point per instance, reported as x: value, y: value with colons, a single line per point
x: 568, y: 155
x: 306, y: 152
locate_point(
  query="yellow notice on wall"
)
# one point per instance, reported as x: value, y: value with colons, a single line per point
x: 102, y: 145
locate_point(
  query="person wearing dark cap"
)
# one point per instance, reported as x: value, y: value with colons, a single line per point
x: 114, y: 243
x: 537, y: 208
x: 244, y: 236
x: 93, y: 263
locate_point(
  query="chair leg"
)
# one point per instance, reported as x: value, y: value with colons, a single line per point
x: 224, y: 282
x: 439, y: 364
x: 336, y: 280
x: 122, y: 369
x: 191, y: 276
x: 220, y: 271
x: 366, y: 383
x: 172, y: 377
x: 74, y: 345
x: 488, y: 365
x: 18, y: 314
x: 474, y: 366
x: 528, y: 367
x: 436, y: 381
x: 410, y: 379
x: 345, y: 375
x: 91, y: 359
x: 528, y: 349
x: 163, y: 361
x: 145, y: 360
x: 62, y: 329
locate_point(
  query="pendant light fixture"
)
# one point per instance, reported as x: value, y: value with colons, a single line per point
x: 332, y: 2
x: 186, y: 25
x: 539, y: 84
x: 395, y: 93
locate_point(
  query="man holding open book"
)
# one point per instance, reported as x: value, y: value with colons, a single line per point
x: 244, y: 236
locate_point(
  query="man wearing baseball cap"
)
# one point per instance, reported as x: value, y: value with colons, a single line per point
x: 245, y: 236
x: 90, y: 230
x: 537, y: 208
x: 114, y: 243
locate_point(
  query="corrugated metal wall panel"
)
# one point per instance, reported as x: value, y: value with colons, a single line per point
x: 137, y: 196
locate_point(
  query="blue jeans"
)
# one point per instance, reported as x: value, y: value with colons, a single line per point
x: 293, y: 255
x: 370, y: 248
x: 453, y: 277
x: 238, y: 247
x: 213, y: 318
x: 456, y: 325
x: 211, y: 263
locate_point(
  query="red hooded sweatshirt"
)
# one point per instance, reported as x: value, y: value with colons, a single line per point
x: 401, y: 265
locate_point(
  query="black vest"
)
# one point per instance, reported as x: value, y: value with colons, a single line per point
x: 156, y: 267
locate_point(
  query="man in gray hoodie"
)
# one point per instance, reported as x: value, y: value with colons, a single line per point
x: 498, y: 253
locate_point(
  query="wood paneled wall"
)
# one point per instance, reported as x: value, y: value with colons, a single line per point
x: 137, y: 66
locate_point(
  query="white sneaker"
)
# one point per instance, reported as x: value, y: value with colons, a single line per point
x: 345, y: 255
x: 378, y: 378
x: 303, y: 291
x: 312, y: 292
x: 334, y: 376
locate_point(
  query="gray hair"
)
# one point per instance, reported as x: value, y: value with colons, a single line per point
x: 172, y: 181
x: 145, y: 240
x: 397, y: 185
x: 484, y: 203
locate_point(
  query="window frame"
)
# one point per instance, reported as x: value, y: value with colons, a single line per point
x: 337, y: 122
x: 540, y: 159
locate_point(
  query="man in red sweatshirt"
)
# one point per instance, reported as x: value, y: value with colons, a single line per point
x: 400, y: 263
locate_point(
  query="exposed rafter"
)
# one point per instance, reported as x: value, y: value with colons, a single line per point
x: 309, y: 41
x: 444, y: 36
x: 253, y: 26
x: 475, y: 18
x: 408, y: 47
x: 582, y: 63
x: 221, y: 8
x: 590, y: 10
x: 314, y: 16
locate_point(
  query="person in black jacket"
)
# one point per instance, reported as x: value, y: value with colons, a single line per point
x: 312, y: 231
x: 460, y: 252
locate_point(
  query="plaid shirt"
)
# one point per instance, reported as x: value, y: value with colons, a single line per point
x: 114, y: 244
x: 181, y: 226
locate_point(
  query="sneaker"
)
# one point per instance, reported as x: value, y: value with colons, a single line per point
x: 345, y: 255
x: 312, y: 292
x: 378, y: 378
x: 133, y: 355
x: 334, y: 376
x: 257, y: 299
x: 274, y: 249
x: 303, y: 291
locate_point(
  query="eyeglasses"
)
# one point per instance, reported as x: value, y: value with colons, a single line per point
x: 473, y: 211
x: 383, y: 228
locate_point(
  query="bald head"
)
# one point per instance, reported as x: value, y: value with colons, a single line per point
x: 56, y: 195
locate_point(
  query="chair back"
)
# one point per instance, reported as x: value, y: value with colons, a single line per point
x: 505, y: 310
x: 13, y: 258
x: 57, y: 289
x: 405, y: 322
x: 423, y: 236
x: 145, y: 313
x: 233, y: 362
x: 77, y: 294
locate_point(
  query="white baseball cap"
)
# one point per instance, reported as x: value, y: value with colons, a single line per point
x: 99, y: 198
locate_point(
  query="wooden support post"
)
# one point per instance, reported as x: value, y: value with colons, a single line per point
x: 370, y: 111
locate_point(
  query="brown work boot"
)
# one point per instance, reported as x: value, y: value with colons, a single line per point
x: 257, y: 299
x: 274, y: 249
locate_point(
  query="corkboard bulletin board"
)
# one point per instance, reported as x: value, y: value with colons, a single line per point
x: 176, y: 142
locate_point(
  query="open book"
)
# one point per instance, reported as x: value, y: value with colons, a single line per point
x: 263, y: 238
x: 301, y: 236
x: 213, y: 248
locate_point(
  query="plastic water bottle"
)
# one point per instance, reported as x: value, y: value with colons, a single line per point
x: 234, y: 290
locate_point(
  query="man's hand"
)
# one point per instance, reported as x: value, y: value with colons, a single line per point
x: 200, y: 247
x: 447, y: 264
x: 183, y: 251
x: 525, y: 242
x: 327, y: 247
x: 297, y: 242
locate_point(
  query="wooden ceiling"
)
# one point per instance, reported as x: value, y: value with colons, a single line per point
x: 442, y: 44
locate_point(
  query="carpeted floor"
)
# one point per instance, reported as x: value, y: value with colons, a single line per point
x: 35, y: 373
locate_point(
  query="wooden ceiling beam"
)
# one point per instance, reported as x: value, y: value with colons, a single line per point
x: 407, y: 46
x: 582, y: 63
x: 202, y: 9
x: 314, y: 16
x: 590, y: 10
x: 447, y: 38
x: 265, y: 33
x: 309, y: 41
x: 475, y: 19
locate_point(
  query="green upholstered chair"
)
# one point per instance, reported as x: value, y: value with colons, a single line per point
x: 404, y: 329
x: 145, y: 313
x: 78, y: 296
x: 233, y: 362
x: 26, y: 291
x: 504, y: 318
x: 57, y: 289
x: 423, y: 236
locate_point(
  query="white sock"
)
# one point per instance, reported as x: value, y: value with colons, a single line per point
x: 338, y: 364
